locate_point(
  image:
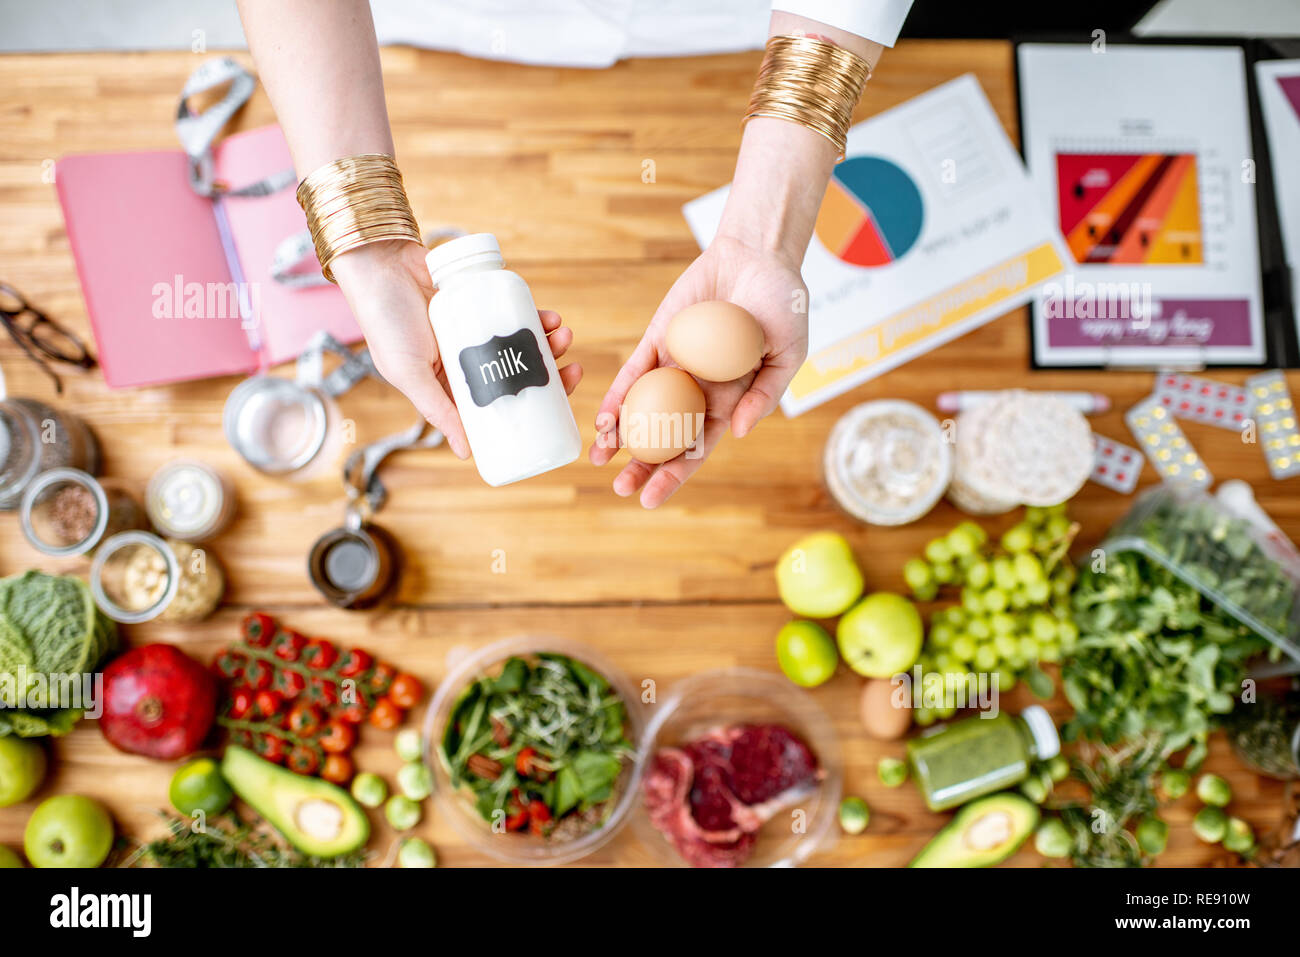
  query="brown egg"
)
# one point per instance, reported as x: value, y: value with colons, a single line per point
x: 717, y: 341
x: 880, y: 717
x: 662, y: 415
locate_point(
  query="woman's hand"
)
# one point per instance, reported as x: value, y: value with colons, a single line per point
x: 762, y: 281
x: 388, y: 287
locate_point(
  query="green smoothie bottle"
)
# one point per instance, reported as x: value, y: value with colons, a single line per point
x: 964, y: 760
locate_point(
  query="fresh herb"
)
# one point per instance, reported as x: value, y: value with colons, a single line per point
x: 226, y: 841
x: 1121, y: 785
x: 542, y: 739
x: 1154, y: 658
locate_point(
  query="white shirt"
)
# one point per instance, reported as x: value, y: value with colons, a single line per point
x: 597, y: 33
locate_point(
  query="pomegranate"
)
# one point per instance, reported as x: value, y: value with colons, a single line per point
x: 157, y: 702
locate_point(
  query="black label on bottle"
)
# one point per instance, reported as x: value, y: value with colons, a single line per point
x: 504, y: 365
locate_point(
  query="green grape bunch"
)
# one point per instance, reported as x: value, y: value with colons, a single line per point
x: 1011, y: 605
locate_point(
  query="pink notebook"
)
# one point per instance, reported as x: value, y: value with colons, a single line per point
x: 164, y: 297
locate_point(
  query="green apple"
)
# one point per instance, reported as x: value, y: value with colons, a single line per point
x: 806, y: 653
x: 22, y: 768
x: 68, y: 830
x: 9, y: 859
x: 881, y: 635
x: 818, y: 577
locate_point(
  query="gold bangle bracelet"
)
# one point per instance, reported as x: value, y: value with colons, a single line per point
x: 354, y: 201
x: 811, y: 82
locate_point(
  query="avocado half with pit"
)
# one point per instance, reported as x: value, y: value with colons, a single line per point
x: 316, y: 817
x: 985, y: 832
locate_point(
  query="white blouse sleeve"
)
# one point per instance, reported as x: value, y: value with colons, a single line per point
x: 878, y: 20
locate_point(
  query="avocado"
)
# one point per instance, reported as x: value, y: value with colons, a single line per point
x: 314, y: 816
x: 984, y: 832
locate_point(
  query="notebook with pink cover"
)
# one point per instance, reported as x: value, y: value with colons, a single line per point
x: 161, y: 292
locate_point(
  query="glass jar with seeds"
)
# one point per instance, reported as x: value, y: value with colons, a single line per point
x: 134, y: 577
x: 67, y: 512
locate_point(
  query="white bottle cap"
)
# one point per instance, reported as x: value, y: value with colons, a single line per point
x: 456, y: 254
x: 1047, y: 743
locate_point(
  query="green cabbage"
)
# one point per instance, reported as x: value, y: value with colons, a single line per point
x: 48, y: 625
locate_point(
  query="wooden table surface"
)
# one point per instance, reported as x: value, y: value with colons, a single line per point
x: 551, y: 162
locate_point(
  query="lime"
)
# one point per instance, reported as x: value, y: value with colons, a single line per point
x: 806, y: 653
x: 199, y: 786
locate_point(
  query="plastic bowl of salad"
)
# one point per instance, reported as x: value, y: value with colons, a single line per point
x: 739, y: 769
x: 533, y: 743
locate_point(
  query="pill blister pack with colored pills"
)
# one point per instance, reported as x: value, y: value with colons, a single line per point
x: 1275, y: 422
x: 1203, y: 400
x: 1116, y: 466
x: 1164, y: 443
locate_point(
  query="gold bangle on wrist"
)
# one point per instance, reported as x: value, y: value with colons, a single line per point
x: 354, y: 201
x: 811, y: 82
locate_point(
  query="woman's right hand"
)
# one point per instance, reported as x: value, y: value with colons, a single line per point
x: 388, y: 287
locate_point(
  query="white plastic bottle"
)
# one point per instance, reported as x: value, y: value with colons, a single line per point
x: 499, y: 364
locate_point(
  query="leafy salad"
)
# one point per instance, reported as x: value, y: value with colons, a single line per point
x: 539, y: 747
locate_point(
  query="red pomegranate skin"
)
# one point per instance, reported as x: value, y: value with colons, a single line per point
x: 158, y: 702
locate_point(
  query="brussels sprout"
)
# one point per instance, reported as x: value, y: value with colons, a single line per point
x: 415, y: 780
x: 1058, y: 769
x: 892, y: 772
x: 854, y: 815
x: 1239, y: 837
x: 415, y: 852
x: 1035, y: 789
x: 1213, y: 790
x: 1210, y: 824
x: 1052, y: 839
x: 369, y: 789
x: 402, y: 813
x: 1152, y: 835
x: 1175, y: 783
x: 408, y: 744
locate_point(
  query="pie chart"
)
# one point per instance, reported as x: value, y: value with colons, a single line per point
x: 871, y: 214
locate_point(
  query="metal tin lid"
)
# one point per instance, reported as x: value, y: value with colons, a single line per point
x: 1047, y: 743
x: 277, y: 425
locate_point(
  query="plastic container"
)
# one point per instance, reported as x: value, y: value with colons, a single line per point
x: 958, y: 762
x: 887, y: 462
x: 67, y: 512
x: 703, y: 702
x: 1225, y: 557
x: 452, y: 804
x: 499, y: 365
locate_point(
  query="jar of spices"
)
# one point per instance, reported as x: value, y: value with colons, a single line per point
x: 135, y: 577
x: 34, y: 438
x: 967, y: 759
x: 189, y: 501
x: 67, y: 512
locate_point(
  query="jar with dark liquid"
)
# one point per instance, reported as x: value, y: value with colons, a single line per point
x: 355, y: 566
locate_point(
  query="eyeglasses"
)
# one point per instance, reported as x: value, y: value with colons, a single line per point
x: 40, y: 337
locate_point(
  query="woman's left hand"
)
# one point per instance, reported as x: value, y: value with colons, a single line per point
x: 759, y: 280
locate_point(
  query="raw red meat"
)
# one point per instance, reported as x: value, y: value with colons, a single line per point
x: 711, y: 796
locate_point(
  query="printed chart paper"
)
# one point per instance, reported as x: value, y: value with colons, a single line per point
x: 1143, y: 155
x: 929, y: 228
x: 1278, y: 82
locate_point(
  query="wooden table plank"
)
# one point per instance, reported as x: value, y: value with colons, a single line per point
x: 552, y: 161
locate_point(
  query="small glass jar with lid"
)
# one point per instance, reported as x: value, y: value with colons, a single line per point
x: 987, y: 752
